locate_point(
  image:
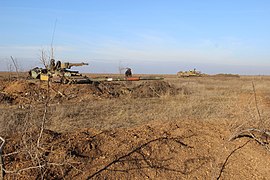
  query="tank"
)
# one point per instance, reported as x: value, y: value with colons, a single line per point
x: 59, y: 72
x: 190, y: 73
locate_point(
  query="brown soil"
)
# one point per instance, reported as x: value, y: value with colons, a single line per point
x: 19, y: 87
x: 185, y: 149
x: 34, y: 91
x: 142, y: 130
x: 154, y: 89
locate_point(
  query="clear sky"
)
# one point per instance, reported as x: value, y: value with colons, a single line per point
x: 150, y: 36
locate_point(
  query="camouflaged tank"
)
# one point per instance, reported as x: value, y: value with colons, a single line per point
x: 190, y: 73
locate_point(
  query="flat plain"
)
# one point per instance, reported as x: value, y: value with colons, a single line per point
x: 212, y: 127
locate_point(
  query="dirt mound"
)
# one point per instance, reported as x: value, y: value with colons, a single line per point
x: 83, y: 92
x: 146, y: 89
x: 111, y: 89
x: 179, y: 150
x: 23, y: 91
x: 18, y: 87
x: 153, y: 89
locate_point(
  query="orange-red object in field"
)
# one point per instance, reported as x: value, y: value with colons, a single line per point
x: 133, y: 79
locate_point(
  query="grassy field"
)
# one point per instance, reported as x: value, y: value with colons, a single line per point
x: 173, y: 128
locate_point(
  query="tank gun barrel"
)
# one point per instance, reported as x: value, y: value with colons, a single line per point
x: 126, y: 79
x: 68, y: 65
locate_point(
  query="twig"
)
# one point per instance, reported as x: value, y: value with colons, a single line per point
x: 130, y: 153
x: 38, y: 167
x: 52, y: 51
x: 249, y: 130
x: 42, y: 125
x: 256, y: 104
x: 15, y: 65
x: 10, y: 154
x: 24, y: 169
x: 61, y: 94
x: 44, y: 59
x: 259, y: 141
x: 154, y: 91
x: 2, y: 173
x: 250, y: 134
x: 44, y: 113
x: 227, y: 159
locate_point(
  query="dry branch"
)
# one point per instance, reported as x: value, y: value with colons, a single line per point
x: 15, y: 65
x: 61, y: 94
x: 2, y: 173
x: 44, y: 113
x: 154, y: 91
x: 37, y: 167
x: 42, y: 125
x: 137, y: 149
x: 260, y: 136
x: 227, y: 159
x: 256, y: 104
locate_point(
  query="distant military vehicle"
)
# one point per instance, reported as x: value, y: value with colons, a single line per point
x: 190, y: 73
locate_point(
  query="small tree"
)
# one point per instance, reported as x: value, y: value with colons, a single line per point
x: 44, y: 58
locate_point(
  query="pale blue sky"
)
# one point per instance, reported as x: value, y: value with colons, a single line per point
x: 150, y: 36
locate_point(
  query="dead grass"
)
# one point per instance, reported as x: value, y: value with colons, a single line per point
x: 202, y: 98
x: 208, y: 108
